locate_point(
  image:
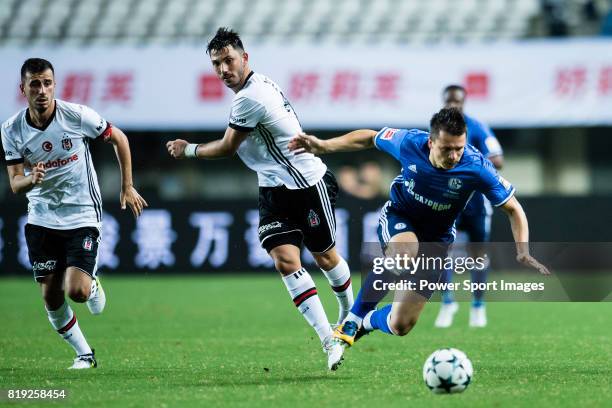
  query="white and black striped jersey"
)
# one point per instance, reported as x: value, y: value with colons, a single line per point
x: 261, y: 109
x: 69, y: 196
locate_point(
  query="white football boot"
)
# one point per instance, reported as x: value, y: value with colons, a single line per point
x: 84, y: 361
x: 478, y: 316
x: 446, y: 314
x: 97, y: 298
x: 334, y: 351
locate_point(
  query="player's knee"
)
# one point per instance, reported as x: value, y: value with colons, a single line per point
x: 287, y: 267
x: 327, y: 260
x: 286, y: 263
x: 402, y: 250
x: 402, y: 326
x: 78, y: 293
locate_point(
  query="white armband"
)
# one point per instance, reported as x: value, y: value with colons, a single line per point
x: 190, y: 150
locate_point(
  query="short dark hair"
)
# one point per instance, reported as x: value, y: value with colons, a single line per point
x: 224, y: 37
x: 454, y: 87
x: 35, y: 66
x: 449, y: 120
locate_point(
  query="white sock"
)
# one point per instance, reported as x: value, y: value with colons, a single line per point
x: 353, y: 317
x: 339, y: 278
x: 65, y: 322
x: 304, y: 294
x: 367, y: 324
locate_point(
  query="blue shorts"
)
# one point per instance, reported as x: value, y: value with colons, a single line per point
x: 393, y: 222
x: 477, y: 226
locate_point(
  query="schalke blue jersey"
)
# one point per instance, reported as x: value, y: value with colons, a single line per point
x: 432, y: 198
x: 482, y: 138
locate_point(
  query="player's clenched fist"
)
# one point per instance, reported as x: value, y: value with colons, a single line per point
x: 38, y: 173
x: 176, y: 148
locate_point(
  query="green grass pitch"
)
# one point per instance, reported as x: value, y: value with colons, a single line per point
x: 237, y: 340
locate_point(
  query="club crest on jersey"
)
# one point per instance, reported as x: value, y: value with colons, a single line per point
x: 389, y: 134
x: 47, y: 146
x: 88, y: 243
x: 454, y: 183
x: 313, y: 219
x: 66, y: 144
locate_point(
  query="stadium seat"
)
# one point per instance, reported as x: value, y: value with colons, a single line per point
x: 270, y: 21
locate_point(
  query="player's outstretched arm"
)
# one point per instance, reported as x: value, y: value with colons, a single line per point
x: 520, y: 231
x: 20, y: 183
x: 356, y: 140
x: 129, y: 196
x: 217, y: 149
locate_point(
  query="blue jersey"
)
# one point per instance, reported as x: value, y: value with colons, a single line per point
x: 482, y: 138
x: 432, y: 198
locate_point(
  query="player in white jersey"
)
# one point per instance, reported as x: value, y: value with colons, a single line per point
x: 46, y: 148
x: 297, y: 193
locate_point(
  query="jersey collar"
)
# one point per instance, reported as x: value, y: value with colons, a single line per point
x: 246, y: 80
x: 46, y: 124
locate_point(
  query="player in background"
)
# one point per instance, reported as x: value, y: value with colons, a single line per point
x: 475, y: 220
x: 297, y: 194
x: 439, y: 174
x: 46, y: 148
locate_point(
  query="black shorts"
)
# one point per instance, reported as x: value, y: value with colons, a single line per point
x: 52, y: 250
x: 299, y: 216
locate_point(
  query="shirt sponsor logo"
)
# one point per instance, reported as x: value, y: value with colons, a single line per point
x: 47, y: 146
x: 53, y: 164
x: 436, y: 206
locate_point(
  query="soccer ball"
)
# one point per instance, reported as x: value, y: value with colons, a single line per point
x: 447, y: 371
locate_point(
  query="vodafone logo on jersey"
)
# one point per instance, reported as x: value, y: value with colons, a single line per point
x: 54, y: 164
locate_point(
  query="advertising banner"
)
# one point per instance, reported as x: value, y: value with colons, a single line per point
x: 514, y: 84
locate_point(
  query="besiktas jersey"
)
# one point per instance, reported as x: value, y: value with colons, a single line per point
x: 482, y: 138
x: 431, y: 197
x: 69, y: 196
x: 261, y: 109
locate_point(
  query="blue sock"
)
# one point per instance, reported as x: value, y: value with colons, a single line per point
x: 379, y: 321
x: 368, y: 298
x: 447, y: 295
x: 478, y: 295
